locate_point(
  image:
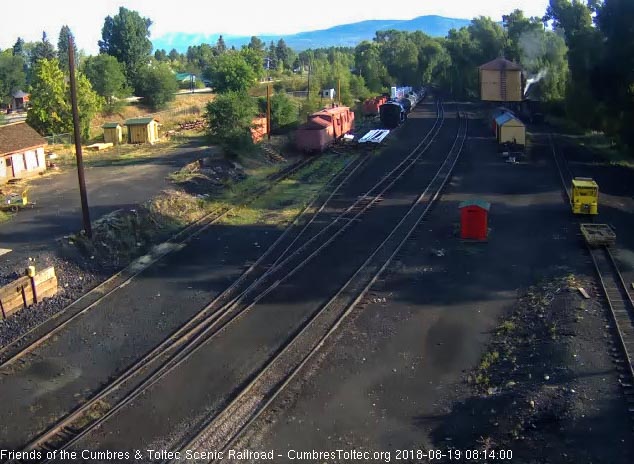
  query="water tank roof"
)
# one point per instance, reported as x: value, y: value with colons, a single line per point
x: 499, y: 64
x: 481, y: 203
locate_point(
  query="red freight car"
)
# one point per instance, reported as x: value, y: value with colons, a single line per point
x: 371, y: 105
x: 323, y: 128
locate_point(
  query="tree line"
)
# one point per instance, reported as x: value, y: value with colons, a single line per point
x: 579, y: 58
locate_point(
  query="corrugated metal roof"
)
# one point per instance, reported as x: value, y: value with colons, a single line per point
x: 481, y: 203
x: 138, y: 121
x: 17, y: 137
x: 110, y: 125
x: 499, y: 64
x: 504, y: 118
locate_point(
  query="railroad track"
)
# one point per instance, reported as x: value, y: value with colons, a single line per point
x: 47, y: 329
x: 224, y: 429
x: 616, y: 293
x: 224, y: 309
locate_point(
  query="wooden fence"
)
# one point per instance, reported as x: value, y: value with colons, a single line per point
x: 27, y: 290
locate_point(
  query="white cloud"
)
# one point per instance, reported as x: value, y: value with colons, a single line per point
x: 234, y: 17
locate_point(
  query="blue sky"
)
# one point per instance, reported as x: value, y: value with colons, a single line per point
x: 235, y: 17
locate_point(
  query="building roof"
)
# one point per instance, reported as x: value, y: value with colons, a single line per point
x: 481, y: 203
x: 499, y: 64
x: 139, y: 121
x: 110, y: 125
x: 315, y: 123
x: 505, y: 118
x: 19, y: 136
x: 20, y: 94
x: 584, y: 182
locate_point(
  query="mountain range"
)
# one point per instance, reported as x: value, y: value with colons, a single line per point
x: 346, y: 35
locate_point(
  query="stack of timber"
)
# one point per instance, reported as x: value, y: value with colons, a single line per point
x: 27, y: 290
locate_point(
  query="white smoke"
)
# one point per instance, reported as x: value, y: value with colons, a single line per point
x: 532, y: 80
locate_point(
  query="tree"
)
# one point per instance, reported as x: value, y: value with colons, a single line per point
x: 50, y: 111
x: 283, y: 54
x: 255, y: 59
x: 18, y: 48
x: 12, y: 75
x: 230, y: 118
x: 221, y: 47
x: 283, y: 111
x: 256, y: 44
x: 62, y: 47
x: 106, y: 76
x: 174, y: 55
x: 157, y: 84
x: 231, y: 73
x: 43, y: 50
x: 160, y: 55
x: 126, y: 37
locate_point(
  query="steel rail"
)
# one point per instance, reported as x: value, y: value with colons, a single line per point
x: 224, y: 429
x: 162, y: 350
x: 191, y: 338
x: 31, y: 339
x: 621, y: 305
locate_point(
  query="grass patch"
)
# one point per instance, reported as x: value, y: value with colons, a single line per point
x: 4, y: 216
x: 288, y: 198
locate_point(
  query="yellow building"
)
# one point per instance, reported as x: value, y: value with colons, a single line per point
x: 142, y: 130
x: 510, y: 129
x: 501, y: 80
x: 112, y: 133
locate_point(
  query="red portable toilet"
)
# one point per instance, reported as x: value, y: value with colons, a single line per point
x: 474, y: 221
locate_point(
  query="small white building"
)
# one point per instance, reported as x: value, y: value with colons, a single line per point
x: 21, y: 152
x: 328, y: 93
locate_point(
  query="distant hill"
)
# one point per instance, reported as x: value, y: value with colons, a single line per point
x: 344, y: 35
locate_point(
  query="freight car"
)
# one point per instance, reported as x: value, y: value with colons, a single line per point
x: 323, y: 128
x: 392, y: 114
x: 371, y: 105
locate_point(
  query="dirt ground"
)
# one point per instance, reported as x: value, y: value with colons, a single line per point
x: 470, y: 346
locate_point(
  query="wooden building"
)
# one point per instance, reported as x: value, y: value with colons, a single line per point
x: 21, y: 151
x: 142, y: 130
x: 19, y: 100
x: 509, y: 129
x: 112, y: 133
x: 501, y: 81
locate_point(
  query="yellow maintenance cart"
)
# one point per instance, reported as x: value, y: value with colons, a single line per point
x: 584, y: 197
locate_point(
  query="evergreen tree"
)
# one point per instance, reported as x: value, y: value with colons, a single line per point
x: 62, y: 48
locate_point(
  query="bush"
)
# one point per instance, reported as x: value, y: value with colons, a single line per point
x: 156, y: 84
x: 230, y: 117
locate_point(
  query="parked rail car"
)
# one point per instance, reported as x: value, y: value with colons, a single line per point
x: 371, y: 106
x: 392, y: 114
x: 323, y: 128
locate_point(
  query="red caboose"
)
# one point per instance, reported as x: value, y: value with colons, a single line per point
x: 323, y: 128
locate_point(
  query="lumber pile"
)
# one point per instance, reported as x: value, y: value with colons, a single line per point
x: 27, y: 290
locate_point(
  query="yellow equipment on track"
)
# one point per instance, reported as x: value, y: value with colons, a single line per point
x: 584, y: 198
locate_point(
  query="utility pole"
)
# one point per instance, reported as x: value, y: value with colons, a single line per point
x: 339, y: 91
x: 309, y: 68
x: 268, y: 111
x: 77, y: 131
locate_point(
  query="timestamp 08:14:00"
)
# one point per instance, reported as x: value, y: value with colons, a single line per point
x: 455, y: 455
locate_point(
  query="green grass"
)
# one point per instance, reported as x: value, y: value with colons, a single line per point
x: 4, y: 216
x: 280, y: 205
